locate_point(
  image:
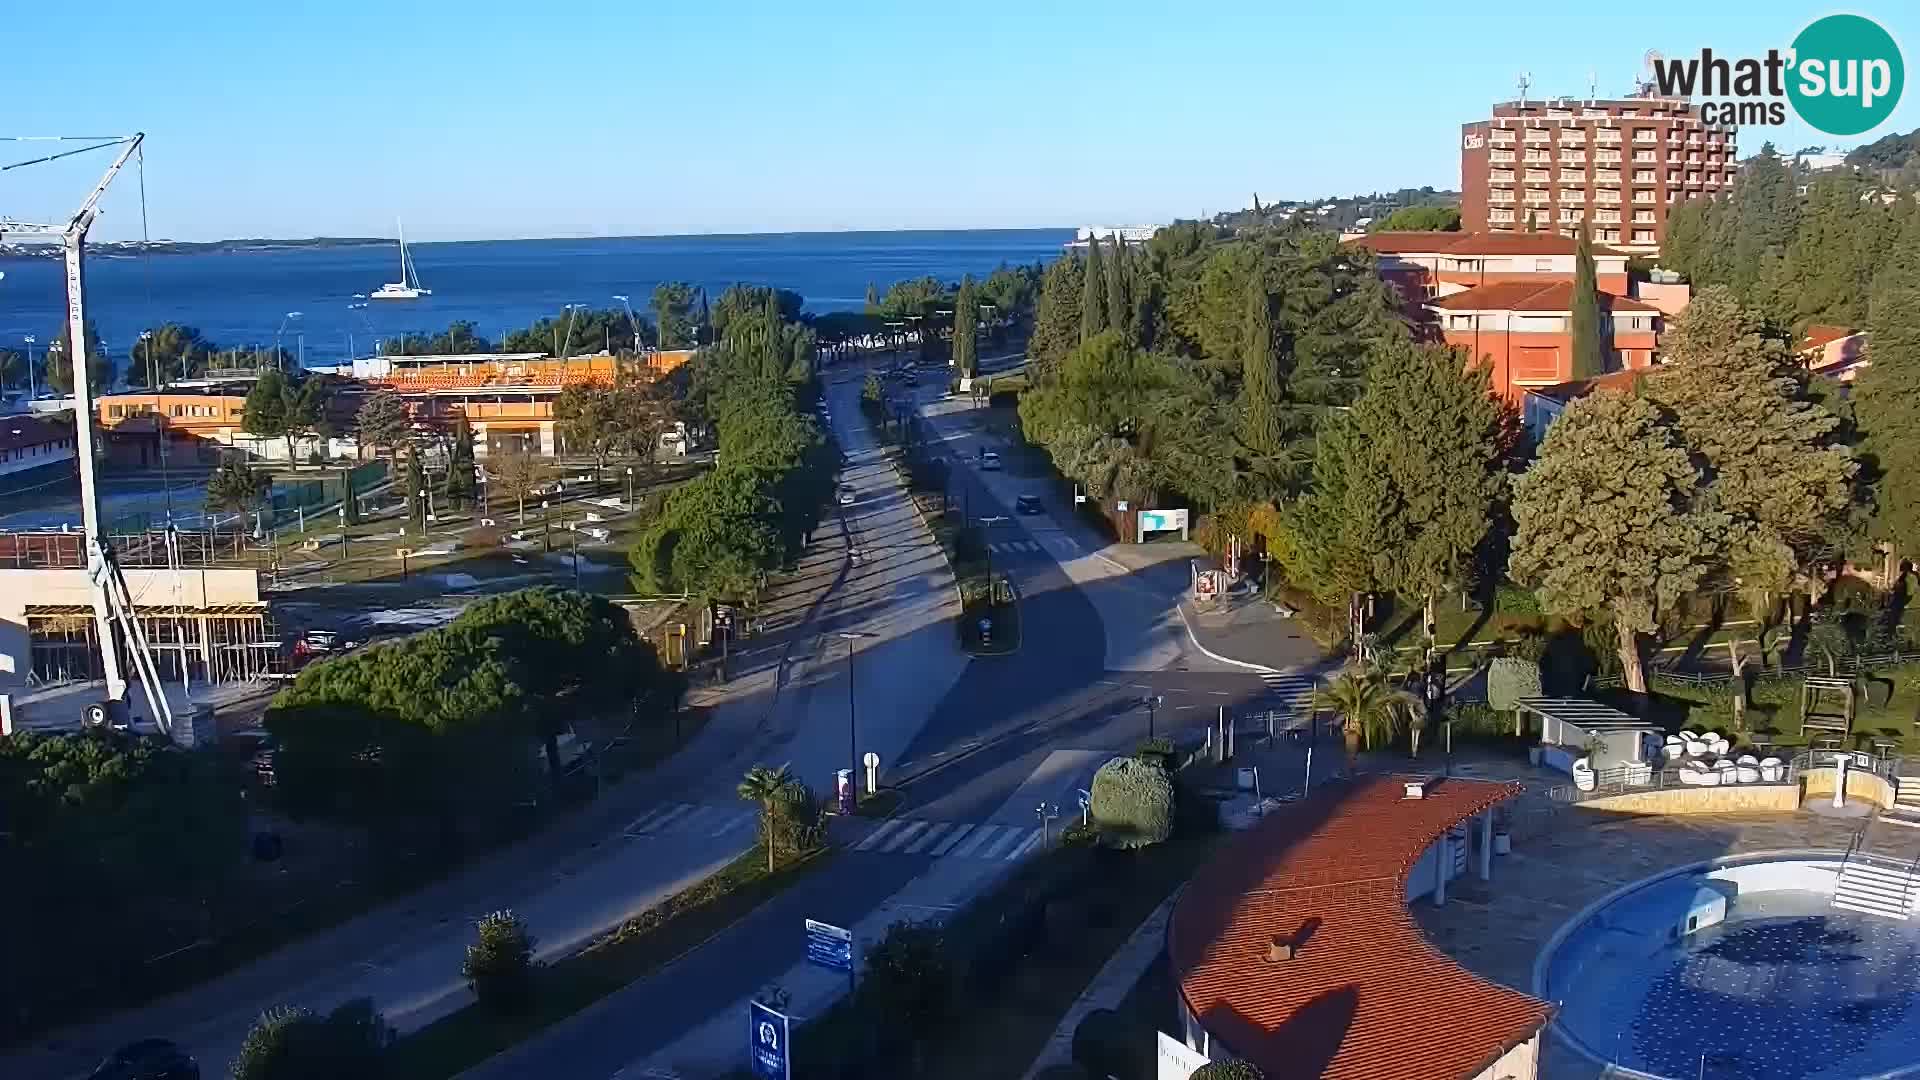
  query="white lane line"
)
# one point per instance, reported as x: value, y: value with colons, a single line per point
x: 1032, y: 841
x: 879, y: 834
x: 927, y: 837
x: 701, y: 815
x: 904, y: 835
x: 995, y: 849
x: 952, y: 839
x: 733, y: 823
x: 645, y: 821
x: 679, y: 810
x: 983, y: 833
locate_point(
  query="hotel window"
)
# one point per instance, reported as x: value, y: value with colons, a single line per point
x: 1459, y: 322
x: 1643, y: 236
x: 1543, y: 266
x: 1637, y: 322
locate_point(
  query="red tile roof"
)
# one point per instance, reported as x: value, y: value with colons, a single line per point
x: 1819, y: 336
x: 1365, y: 997
x: 1472, y: 243
x: 1553, y: 296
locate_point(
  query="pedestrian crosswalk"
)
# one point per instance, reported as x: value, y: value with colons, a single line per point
x: 1008, y: 547
x: 959, y: 840
x: 691, y: 819
x: 1290, y: 690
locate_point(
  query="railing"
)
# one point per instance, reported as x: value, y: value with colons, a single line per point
x: 1632, y: 779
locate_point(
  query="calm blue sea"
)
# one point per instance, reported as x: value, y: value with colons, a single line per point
x: 243, y: 298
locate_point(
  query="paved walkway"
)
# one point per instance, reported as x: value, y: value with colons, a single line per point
x: 1250, y: 632
x: 1110, y: 985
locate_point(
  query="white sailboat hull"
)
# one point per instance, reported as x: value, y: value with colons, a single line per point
x: 396, y: 291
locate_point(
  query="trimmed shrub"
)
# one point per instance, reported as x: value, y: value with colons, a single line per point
x: 499, y: 965
x: 1156, y: 751
x: 1228, y: 1070
x: 908, y: 981
x: 296, y: 1044
x: 1132, y: 803
x: 1509, y: 679
x: 1514, y: 600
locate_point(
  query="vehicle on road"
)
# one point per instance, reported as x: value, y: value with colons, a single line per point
x: 1027, y: 504
x: 846, y: 495
x: 989, y: 461
x: 913, y: 378
x: 148, y: 1059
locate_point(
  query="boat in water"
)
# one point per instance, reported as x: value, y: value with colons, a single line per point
x: 408, y: 287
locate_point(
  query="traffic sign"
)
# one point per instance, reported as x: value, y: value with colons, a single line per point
x: 768, y: 1049
x: 830, y: 946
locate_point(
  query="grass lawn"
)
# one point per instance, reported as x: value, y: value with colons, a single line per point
x: 682, y: 922
x: 1889, y: 708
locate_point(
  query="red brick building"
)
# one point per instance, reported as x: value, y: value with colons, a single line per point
x: 1619, y: 165
x: 1522, y: 331
x: 1506, y: 300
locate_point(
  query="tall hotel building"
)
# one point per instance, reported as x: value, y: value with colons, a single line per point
x: 1619, y: 165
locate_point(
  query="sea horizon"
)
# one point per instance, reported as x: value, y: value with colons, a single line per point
x: 312, y: 300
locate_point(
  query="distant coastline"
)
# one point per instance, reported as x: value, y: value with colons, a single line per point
x: 244, y: 245
x: 190, y: 247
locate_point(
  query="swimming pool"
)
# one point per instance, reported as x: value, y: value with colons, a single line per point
x: 1738, y: 968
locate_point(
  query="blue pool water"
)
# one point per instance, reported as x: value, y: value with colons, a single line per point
x: 1783, y: 989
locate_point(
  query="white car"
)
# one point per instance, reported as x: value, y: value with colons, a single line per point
x: 989, y: 462
x: 601, y: 535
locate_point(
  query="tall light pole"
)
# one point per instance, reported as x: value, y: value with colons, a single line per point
x: 153, y: 375
x: 629, y: 487
x: 361, y: 306
x: 546, y: 527
x: 278, y: 335
x: 632, y: 322
x: 31, y: 392
x: 853, y: 730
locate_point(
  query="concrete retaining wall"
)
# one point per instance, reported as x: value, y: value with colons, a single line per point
x: 1861, y: 784
x: 1732, y: 799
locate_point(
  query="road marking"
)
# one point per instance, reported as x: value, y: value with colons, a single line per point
x: 735, y: 822
x: 983, y: 833
x: 904, y: 835
x: 993, y: 850
x: 691, y: 821
x: 953, y: 838
x: 928, y: 837
x: 876, y: 835
x: 1032, y: 841
x: 647, y: 823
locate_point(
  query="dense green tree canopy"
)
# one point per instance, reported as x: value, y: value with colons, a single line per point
x: 966, y: 355
x: 1592, y: 337
x: 1614, y: 522
x: 168, y: 353
x: 1418, y: 219
x: 1887, y: 404
x: 673, y: 314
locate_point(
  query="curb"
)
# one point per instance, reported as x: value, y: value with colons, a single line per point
x: 1191, y: 636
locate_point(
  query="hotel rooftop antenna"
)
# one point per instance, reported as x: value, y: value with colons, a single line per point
x: 1593, y: 86
x: 1526, y: 80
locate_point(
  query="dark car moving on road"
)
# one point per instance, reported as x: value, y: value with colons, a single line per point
x: 1027, y: 504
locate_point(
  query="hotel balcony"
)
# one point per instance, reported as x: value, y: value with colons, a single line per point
x: 1609, y: 178
x: 1606, y: 198
x: 1573, y: 196
x: 1577, y: 157
x: 1538, y: 178
x: 1500, y: 156
x: 1500, y: 176
x: 1606, y: 217
x: 1500, y: 198
x: 1607, y: 157
x: 1500, y: 138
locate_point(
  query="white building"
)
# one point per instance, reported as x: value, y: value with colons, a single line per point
x: 34, y: 446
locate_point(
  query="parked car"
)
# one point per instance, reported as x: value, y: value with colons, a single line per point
x: 1027, y: 504
x: 990, y: 462
x: 148, y: 1059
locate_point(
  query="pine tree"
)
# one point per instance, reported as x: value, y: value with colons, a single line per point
x: 1260, y: 426
x: 966, y: 307
x: 1589, y: 340
x: 1093, y: 300
x: 1772, y: 460
x: 416, y: 480
x: 1119, y: 311
x: 462, y: 484
x: 1612, y: 523
x: 1056, y: 320
x: 1887, y: 404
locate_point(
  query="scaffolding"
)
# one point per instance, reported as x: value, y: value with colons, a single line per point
x: 222, y: 644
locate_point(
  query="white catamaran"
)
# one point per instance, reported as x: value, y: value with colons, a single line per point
x: 408, y: 287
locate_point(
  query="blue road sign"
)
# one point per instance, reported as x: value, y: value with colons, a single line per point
x: 829, y: 946
x: 768, y: 1051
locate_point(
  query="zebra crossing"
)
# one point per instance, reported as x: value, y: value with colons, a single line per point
x: 1009, y: 547
x: 1292, y: 690
x: 954, y: 839
x: 691, y: 819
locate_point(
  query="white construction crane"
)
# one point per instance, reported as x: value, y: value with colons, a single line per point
x: 112, y: 603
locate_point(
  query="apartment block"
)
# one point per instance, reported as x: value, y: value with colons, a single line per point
x: 1619, y: 166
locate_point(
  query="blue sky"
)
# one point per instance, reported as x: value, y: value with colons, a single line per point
x: 496, y: 119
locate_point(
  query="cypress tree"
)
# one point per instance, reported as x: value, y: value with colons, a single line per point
x: 1260, y: 427
x: 1093, y: 298
x: 1589, y: 347
x: 1119, y: 312
x: 965, y: 311
x: 462, y: 484
x: 1887, y: 404
x: 873, y: 299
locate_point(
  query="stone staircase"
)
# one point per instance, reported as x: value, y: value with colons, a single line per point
x: 1460, y: 845
x: 1874, y: 887
x: 1906, y: 800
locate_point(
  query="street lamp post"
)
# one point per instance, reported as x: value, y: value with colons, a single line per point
x: 31, y: 391
x: 853, y: 731
x: 576, y: 560
x: 546, y: 527
x: 629, y: 487
x: 146, y: 350
x: 343, y: 530
x: 632, y: 322
x: 280, y: 334
x: 1153, y: 702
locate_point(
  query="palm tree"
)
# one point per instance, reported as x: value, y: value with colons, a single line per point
x: 767, y: 787
x: 1368, y: 708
